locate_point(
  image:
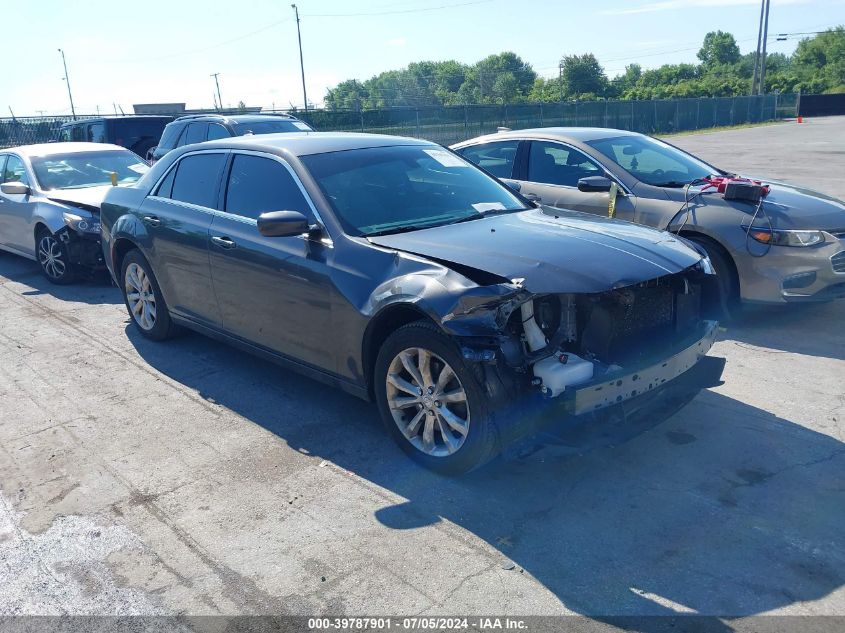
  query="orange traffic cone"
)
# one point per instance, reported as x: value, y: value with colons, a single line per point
x: 800, y: 119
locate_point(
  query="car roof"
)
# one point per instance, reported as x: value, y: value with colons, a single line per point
x: 306, y: 143
x: 579, y: 134
x: 48, y: 149
x: 236, y: 118
x: 118, y: 117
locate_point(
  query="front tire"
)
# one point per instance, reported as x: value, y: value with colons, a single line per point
x: 53, y: 258
x: 725, y: 274
x: 431, y: 402
x: 143, y: 298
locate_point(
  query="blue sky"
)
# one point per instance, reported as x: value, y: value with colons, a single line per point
x: 164, y: 51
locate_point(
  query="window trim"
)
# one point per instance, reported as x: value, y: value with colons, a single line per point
x: 523, y: 174
x: 296, y: 179
x: 189, y: 205
x: 515, y: 166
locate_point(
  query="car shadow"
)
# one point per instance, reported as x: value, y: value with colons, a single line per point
x: 94, y: 289
x: 812, y: 329
x: 724, y: 509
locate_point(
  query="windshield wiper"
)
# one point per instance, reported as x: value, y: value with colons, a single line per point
x: 401, y: 229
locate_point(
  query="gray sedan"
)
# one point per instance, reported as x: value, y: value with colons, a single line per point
x: 50, y: 197
x: 786, y: 246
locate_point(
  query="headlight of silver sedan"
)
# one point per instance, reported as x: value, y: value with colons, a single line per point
x: 80, y: 223
x: 778, y: 237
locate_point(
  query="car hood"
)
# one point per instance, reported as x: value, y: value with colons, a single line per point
x: 552, y: 250
x: 793, y: 207
x: 88, y: 198
x: 790, y: 206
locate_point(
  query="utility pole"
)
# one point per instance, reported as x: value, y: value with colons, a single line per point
x: 217, y: 83
x: 67, y: 81
x: 757, y: 52
x: 301, y: 63
x: 762, y: 90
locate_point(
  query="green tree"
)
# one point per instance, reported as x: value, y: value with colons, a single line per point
x: 719, y: 48
x: 347, y: 95
x: 485, y: 77
x: 582, y: 75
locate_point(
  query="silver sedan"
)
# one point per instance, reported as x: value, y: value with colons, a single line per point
x: 786, y: 246
x: 50, y: 196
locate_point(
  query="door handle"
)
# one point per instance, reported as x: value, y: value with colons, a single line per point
x: 223, y: 242
x: 152, y: 220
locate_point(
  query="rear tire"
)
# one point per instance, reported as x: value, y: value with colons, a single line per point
x: 53, y: 258
x: 432, y: 403
x: 725, y: 274
x: 143, y: 298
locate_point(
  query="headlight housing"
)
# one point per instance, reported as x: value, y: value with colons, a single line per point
x: 777, y: 237
x: 81, y: 224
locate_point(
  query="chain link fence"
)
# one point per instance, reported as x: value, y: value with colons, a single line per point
x: 451, y: 124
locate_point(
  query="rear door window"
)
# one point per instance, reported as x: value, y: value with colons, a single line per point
x: 196, y: 133
x: 197, y: 178
x: 556, y: 164
x: 96, y: 132
x: 257, y: 185
x: 497, y: 157
x: 216, y: 131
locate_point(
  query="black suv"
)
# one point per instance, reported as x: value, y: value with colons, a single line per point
x: 208, y: 127
x: 136, y: 133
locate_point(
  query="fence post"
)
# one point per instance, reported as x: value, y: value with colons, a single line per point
x: 775, y: 113
x: 418, y: 122
x: 654, y: 128
x: 677, y: 114
x: 733, y: 103
x: 698, y: 113
x: 541, y: 115
x: 576, y: 113
x: 633, y: 125
x: 466, y: 121
x: 798, y: 103
x: 361, y: 112
x: 606, y: 121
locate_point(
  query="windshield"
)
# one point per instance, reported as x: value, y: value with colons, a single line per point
x: 87, y: 169
x: 652, y: 161
x: 271, y: 127
x: 391, y: 189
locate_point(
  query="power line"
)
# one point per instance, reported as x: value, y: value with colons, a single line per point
x: 401, y: 11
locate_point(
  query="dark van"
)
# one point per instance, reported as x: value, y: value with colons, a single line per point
x: 139, y: 133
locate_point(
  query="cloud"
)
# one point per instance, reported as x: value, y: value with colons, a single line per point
x: 397, y: 41
x: 671, y: 5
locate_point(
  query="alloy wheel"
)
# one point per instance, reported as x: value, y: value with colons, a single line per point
x: 51, y: 258
x: 140, y: 296
x: 427, y: 402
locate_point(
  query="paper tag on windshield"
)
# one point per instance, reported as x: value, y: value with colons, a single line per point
x: 483, y: 207
x: 140, y: 168
x: 445, y: 158
x: 301, y: 126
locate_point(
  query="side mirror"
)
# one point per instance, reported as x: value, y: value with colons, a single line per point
x: 282, y: 224
x: 512, y: 184
x: 594, y: 183
x: 15, y: 188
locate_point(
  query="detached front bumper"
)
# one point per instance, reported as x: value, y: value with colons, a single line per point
x: 788, y: 274
x: 688, y: 366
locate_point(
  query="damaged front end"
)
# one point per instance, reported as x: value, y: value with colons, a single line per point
x: 81, y: 234
x: 591, y: 351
